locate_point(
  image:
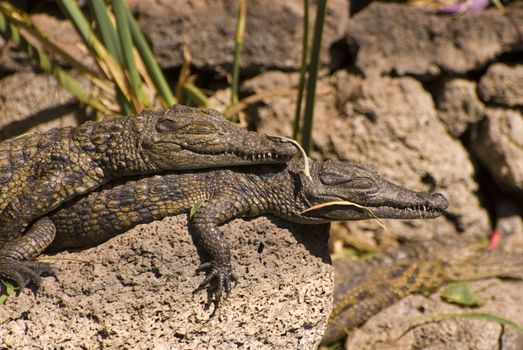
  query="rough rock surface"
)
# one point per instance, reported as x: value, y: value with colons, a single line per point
x: 430, y: 44
x: 458, y: 105
x: 503, y: 85
x: 33, y: 102
x: 509, y: 218
x: 135, y: 292
x: 272, y: 38
x: 498, y: 144
x: 61, y: 31
x: 11, y: 59
x: 406, y: 325
x: 392, y: 124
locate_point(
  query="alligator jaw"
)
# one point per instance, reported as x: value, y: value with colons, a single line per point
x: 431, y: 207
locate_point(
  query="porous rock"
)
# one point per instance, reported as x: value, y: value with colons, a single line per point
x: 408, y: 325
x: 458, y: 105
x: 136, y: 292
x: 391, y: 38
x: 498, y: 144
x: 391, y: 124
x: 502, y: 84
x: 273, y: 32
x: 11, y: 59
x: 32, y: 102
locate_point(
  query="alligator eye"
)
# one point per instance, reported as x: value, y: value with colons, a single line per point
x: 169, y: 125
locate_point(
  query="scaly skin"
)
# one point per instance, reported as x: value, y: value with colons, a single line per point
x: 425, y: 267
x: 41, y: 171
x: 280, y: 190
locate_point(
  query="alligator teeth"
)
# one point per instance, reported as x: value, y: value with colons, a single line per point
x: 269, y: 155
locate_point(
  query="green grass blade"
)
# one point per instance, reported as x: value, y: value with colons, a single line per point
x: 7, y: 290
x: 107, y: 63
x: 10, y: 31
x: 238, y: 44
x: 21, y: 20
x: 499, y: 5
x: 197, y: 205
x: 83, y: 28
x: 124, y: 34
x: 303, y: 69
x: 157, y: 77
x: 109, y: 38
x: 106, y: 28
x: 313, y: 76
x: 195, y: 95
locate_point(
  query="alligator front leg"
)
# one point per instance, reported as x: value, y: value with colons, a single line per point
x: 16, y: 256
x: 204, y: 225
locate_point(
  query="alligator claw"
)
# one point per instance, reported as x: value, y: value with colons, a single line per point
x: 25, y: 273
x: 218, y: 279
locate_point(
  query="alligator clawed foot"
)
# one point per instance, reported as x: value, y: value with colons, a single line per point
x: 217, y: 280
x: 25, y: 273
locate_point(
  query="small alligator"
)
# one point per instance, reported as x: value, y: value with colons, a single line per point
x: 422, y: 268
x: 38, y: 172
x: 281, y: 190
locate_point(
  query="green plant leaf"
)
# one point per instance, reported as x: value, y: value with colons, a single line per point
x: 195, y: 95
x: 105, y: 28
x: 238, y: 43
x: 107, y: 63
x: 197, y: 205
x: 8, y: 289
x: 499, y: 5
x: 303, y: 70
x: 357, y: 254
x: 154, y: 71
x: 461, y: 294
x: 138, y: 96
x: 306, y: 134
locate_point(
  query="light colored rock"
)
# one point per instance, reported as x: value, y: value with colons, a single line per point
x: 498, y: 144
x: 382, y: 43
x: 406, y: 325
x: 32, y: 102
x: 390, y: 123
x: 61, y: 32
x: 502, y: 85
x: 135, y: 292
x: 458, y: 105
x: 12, y: 59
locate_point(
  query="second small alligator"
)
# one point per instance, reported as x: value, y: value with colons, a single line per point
x: 364, y: 288
x: 281, y: 190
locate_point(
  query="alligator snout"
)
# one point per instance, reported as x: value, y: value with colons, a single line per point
x: 439, y: 201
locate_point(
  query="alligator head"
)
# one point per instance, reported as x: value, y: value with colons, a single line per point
x: 347, y: 181
x: 192, y: 138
